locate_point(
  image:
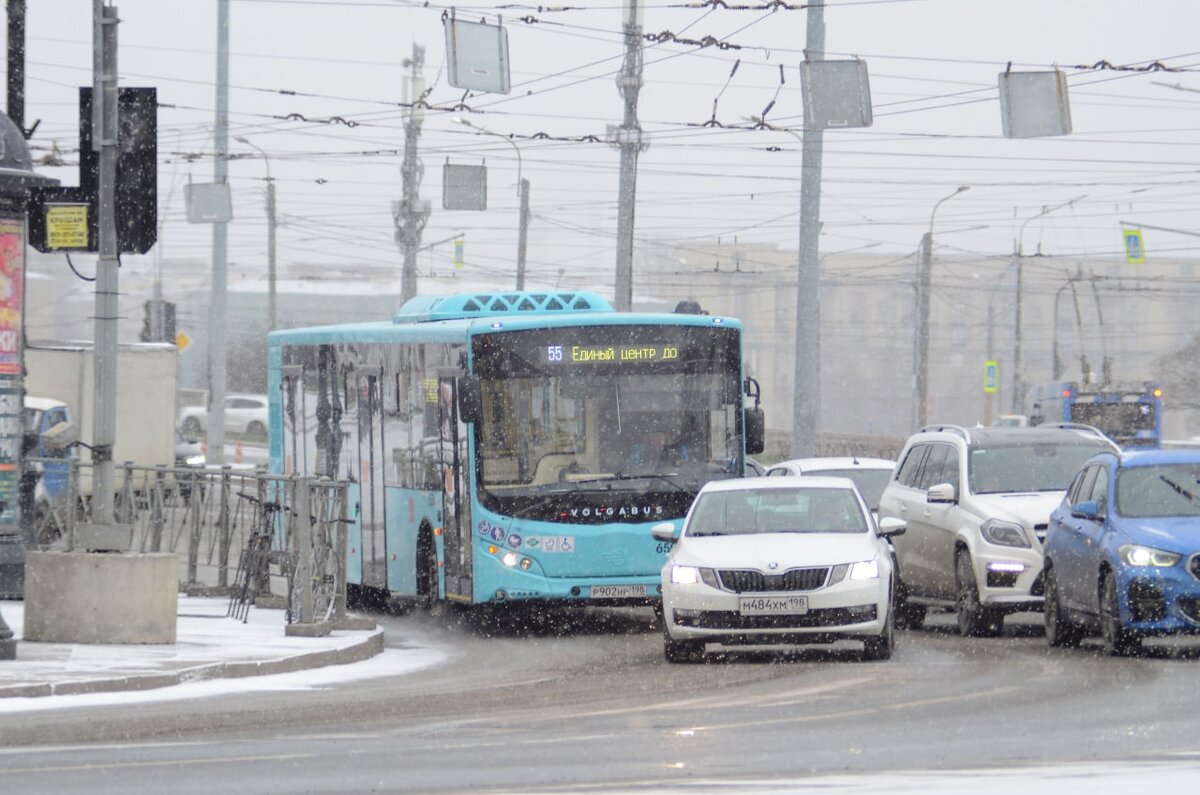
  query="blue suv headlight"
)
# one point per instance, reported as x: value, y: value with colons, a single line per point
x: 1138, y: 555
x: 1005, y: 534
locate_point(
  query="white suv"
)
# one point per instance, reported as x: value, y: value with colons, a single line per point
x: 976, y: 503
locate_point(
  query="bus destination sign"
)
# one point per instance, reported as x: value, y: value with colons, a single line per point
x: 587, y: 354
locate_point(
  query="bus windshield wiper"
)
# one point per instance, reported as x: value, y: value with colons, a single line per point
x: 634, y: 476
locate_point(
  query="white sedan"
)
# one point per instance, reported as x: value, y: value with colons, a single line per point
x: 783, y: 560
x: 243, y: 414
x: 870, y: 475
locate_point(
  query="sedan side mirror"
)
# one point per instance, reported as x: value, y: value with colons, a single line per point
x: 665, y: 531
x: 892, y: 526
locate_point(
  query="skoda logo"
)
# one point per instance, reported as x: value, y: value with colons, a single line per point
x: 772, y: 565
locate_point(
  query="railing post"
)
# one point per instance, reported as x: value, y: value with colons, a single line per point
x: 304, y: 558
x: 158, y: 518
x: 126, y: 516
x: 196, y: 505
x: 338, y: 517
x: 224, y: 537
x: 70, y: 498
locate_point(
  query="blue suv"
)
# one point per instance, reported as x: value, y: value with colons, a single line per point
x: 1122, y: 551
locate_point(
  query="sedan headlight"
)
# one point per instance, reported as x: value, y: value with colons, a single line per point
x: 685, y: 575
x: 690, y: 575
x: 1137, y: 555
x: 865, y: 570
x: 1004, y: 534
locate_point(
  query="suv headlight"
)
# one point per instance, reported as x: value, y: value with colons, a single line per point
x: 1004, y: 534
x: 1136, y: 555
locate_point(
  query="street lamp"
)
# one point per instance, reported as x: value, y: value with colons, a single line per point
x: 923, y: 301
x: 522, y: 195
x: 1018, y: 258
x: 270, y: 232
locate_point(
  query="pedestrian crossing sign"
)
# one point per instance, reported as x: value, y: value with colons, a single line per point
x: 1134, y: 251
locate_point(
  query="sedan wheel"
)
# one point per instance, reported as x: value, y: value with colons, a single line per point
x: 1118, y: 641
x: 882, y: 646
x: 1060, y: 630
x: 973, y: 618
x: 191, y: 427
x: 682, y: 651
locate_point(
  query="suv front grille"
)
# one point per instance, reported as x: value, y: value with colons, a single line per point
x: 749, y: 581
x: 1194, y: 566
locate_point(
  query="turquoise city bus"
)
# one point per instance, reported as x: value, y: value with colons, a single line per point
x: 513, y: 447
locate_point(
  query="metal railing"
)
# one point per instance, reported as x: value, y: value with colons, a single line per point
x: 235, y: 531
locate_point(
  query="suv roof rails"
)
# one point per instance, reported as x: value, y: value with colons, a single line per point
x: 960, y: 430
x: 1080, y: 426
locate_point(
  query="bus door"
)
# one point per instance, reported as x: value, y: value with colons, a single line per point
x: 370, y: 475
x: 456, y: 520
x: 293, y: 444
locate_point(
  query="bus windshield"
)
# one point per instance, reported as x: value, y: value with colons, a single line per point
x: 606, y: 413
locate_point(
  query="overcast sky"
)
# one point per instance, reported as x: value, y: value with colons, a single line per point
x: 933, y: 68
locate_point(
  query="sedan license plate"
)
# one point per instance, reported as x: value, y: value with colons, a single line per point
x: 772, y: 605
x: 617, y: 591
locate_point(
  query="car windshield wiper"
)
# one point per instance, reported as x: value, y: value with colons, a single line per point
x: 1180, y: 490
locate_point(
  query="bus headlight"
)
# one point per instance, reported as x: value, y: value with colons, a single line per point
x: 509, y: 559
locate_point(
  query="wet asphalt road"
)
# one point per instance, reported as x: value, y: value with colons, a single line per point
x: 562, y: 704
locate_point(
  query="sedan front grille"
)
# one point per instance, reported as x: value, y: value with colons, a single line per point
x: 750, y: 581
x: 731, y: 620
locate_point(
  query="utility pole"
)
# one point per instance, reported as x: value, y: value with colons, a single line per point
x: 215, y: 453
x: 806, y: 403
x: 271, y: 224
x: 105, y: 129
x: 629, y: 141
x: 522, y: 233
x: 410, y: 213
x: 16, y: 66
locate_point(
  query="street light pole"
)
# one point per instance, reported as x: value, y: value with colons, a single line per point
x: 271, y: 306
x: 1018, y: 398
x: 924, y: 282
x: 522, y: 196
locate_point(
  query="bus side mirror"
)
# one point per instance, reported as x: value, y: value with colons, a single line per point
x: 755, y: 424
x: 470, y: 400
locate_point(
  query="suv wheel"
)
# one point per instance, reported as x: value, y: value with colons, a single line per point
x: 973, y: 618
x: 1060, y: 630
x: 1118, y: 641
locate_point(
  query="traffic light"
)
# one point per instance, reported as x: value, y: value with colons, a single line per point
x: 136, y: 179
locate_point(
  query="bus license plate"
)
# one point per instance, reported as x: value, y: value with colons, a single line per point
x: 617, y: 591
x: 772, y: 605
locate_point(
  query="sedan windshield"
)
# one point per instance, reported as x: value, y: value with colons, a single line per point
x: 749, y: 511
x: 1165, y: 490
x: 1038, y: 467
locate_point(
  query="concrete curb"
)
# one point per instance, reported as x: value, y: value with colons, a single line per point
x: 361, y: 650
